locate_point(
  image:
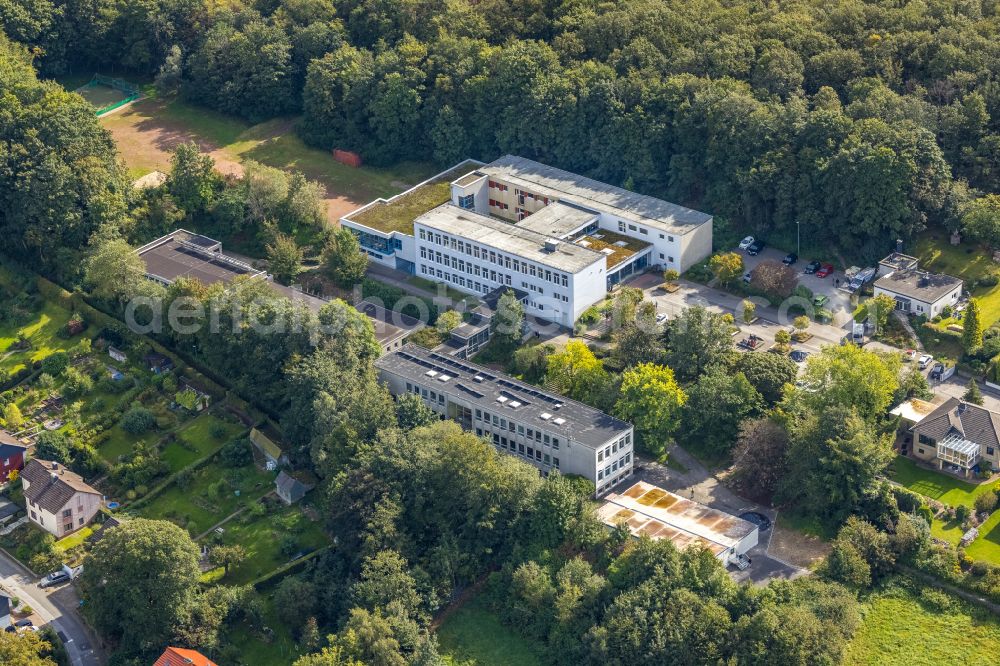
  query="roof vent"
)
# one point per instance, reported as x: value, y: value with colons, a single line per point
x: 962, y: 406
x: 546, y: 416
x: 514, y: 404
x: 443, y: 378
x: 551, y: 245
x: 502, y: 399
x: 53, y: 477
x: 431, y: 373
x: 478, y: 379
x: 559, y: 421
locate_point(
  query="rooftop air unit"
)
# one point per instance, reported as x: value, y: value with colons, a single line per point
x: 431, y: 373
x: 551, y: 245
x: 443, y: 378
x: 546, y: 416
x: 559, y: 421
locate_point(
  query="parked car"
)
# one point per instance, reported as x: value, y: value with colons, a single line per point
x: 925, y: 360
x: 790, y: 259
x: 54, y: 578
x: 747, y: 277
x: 820, y: 300
x: 756, y: 247
x: 812, y: 267
x: 825, y: 271
x: 758, y: 519
x: 661, y: 318
x: 799, y: 356
x: 746, y: 242
x: 910, y: 354
x: 937, y: 371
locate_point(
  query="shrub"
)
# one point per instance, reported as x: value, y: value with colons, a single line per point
x: 217, y: 431
x: 55, y: 363
x: 961, y: 512
x: 986, y: 502
x: 236, y: 453
x: 935, y: 599
x: 138, y: 420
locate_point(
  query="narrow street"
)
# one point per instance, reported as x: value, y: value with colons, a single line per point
x: 56, y: 607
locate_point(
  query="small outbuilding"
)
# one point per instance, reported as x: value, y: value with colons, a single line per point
x: 267, y: 452
x: 292, y: 487
x: 158, y: 363
x: 117, y: 354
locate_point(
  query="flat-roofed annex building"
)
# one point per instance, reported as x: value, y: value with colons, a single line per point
x: 649, y: 510
x: 547, y: 430
x: 564, y: 238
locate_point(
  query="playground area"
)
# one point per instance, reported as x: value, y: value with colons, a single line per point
x: 106, y: 93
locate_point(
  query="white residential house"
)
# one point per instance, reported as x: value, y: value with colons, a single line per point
x: 58, y: 500
x: 920, y: 293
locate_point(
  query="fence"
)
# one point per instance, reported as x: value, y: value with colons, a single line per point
x: 130, y: 90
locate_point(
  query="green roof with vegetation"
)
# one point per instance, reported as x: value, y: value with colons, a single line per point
x: 398, y: 213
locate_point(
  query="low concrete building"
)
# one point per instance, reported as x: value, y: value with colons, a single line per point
x: 58, y: 500
x: 958, y: 436
x: 649, y: 510
x: 545, y: 429
x: 920, y: 293
x: 391, y: 328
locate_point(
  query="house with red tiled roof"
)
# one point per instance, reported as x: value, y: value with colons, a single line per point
x: 174, y: 656
x: 59, y: 501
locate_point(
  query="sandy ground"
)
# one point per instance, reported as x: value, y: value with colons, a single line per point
x: 146, y: 141
x: 796, y: 548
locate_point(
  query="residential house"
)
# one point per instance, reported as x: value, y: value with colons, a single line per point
x: 292, y: 487
x: 117, y: 354
x: 265, y: 444
x: 11, y: 455
x: 174, y: 656
x: 545, y: 429
x: 915, y: 291
x: 958, y: 436
x: 58, y: 500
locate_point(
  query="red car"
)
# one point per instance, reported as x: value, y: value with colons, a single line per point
x: 824, y: 270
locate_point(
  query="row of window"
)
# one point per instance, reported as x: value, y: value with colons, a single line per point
x: 432, y: 396
x: 520, y: 449
x: 609, y: 471
x: 643, y: 231
x: 430, y: 271
x: 621, y: 443
x: 486, y: 254
x: 510, y: 426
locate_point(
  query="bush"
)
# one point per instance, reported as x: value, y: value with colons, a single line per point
x: 236, y: 453
x: 55, y: 363
x: 217, y: 431
x: 962, y: 512
x: 138, y: 420
x: 986, y: 502
x: 936, y: 600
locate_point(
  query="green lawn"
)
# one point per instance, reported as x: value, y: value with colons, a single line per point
x: 120, y: 442
x: 941, y: 487
x: 42, y: 332
x: 474, y: 636
x: 900, y: 630
x: 262, y: 540
x: 197, y: 509
x: 986, y: 547
x: 279, y: 650
x: 966, y: 261
x: 197, y: 441
x: 950, y: 531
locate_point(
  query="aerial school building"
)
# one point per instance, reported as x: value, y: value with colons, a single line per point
x: 560, y: 240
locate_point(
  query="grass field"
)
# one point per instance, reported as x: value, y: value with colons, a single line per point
x: 474, y: 636
x: 966, y: 261
x: 149, y: 129
x: 42, y: 332
x: 101, y: 96
x: 986, y: 547
x: 279, y: 650
x: 262, y: 541
x: 898, y: 629
x: 120, y: 442
x: 198, y: 441
x: 196, y: 508
x: 941, y: 487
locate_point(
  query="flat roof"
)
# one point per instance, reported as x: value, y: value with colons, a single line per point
x: 617, y: 247
x: 397, y: 213
x: 182, y: 254
x: 918, y: 285
x: 543, y: 179
x: 509, y: 238
x: 899, y: 261
x: 558, y: 219
x: 914, y: 410
x: 659, y: 514
x: 503, y: 395
x: 389, y: 325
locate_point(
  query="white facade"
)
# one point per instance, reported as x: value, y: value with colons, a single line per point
x: 917, y: 305
x: 549, y: 431
x: 565, y: 208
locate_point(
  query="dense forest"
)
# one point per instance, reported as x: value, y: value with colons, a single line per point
x: 863, y: 121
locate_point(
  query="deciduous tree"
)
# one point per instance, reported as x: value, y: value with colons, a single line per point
x: 651, y: 400
x: 345, y: 262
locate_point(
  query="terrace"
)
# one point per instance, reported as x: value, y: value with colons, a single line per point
x: 397, y: 214
x: 618, y: 248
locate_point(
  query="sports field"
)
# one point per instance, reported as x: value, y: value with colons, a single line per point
x: 148, y: 130
x: 101, y: 96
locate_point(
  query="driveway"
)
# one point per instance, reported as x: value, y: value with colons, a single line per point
x: 56, y: 607
x: 698, y: 484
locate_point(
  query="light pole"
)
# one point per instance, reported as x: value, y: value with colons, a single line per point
x: 798, y: 237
